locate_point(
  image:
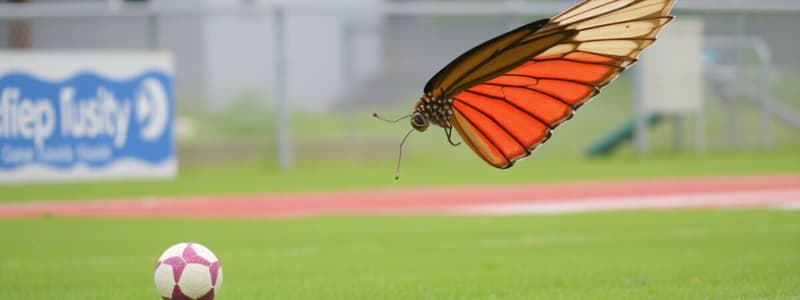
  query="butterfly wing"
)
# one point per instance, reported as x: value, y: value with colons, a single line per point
x: 504, y: 111
x: 493, y: 57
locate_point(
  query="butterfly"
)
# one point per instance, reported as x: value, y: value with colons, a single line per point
x: 505, y: 96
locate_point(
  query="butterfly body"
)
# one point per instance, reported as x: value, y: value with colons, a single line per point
x: 432, y: 110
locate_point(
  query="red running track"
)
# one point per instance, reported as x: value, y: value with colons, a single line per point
x: 775, y: 191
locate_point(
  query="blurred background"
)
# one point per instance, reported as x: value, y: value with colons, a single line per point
x: 279, y: 95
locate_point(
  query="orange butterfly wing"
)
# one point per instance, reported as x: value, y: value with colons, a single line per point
x: 506, y: 117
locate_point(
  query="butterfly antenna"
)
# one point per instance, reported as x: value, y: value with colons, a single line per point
x: 389, y: 121
x: 400, y: 156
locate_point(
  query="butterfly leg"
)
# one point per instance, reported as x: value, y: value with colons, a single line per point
x: 449, y: 133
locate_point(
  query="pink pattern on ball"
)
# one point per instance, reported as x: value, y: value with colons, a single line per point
x: 177, y: 294
x: 177, y: 264
x: 191, y: 256
x: 214, y: 269
x: 208, y: 296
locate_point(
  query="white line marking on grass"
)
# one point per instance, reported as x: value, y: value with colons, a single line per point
x: 785, y: 198
x: 789, y: 206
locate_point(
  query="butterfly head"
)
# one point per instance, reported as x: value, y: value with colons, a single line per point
x: 419, y: 121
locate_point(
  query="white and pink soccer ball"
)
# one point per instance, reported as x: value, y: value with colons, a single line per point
x: 188, y: 271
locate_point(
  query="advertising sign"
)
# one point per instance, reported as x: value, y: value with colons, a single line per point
x: 85, y: 115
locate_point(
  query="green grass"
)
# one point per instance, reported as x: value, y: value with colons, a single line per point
x: 633, y: 255
x: 454, y: 169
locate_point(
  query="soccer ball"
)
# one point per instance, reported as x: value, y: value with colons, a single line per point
x: 188, y: 271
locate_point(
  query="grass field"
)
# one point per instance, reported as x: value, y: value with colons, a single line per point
x: 633, y: 255
x: 453, y: 170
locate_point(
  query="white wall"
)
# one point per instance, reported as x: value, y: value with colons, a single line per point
x: 237, y: 58
x: 239, y: 54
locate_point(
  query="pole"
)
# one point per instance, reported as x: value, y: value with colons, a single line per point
x: 152, y: 32
x: 700, y: 131
x: 767, y: 135
x: 732, y: 110
x: 678, y: 129
x: 640, y: 112
x: 349, y: 78
x: 284, y: 140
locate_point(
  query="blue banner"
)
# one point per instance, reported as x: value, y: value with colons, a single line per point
x: 86, y: 121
